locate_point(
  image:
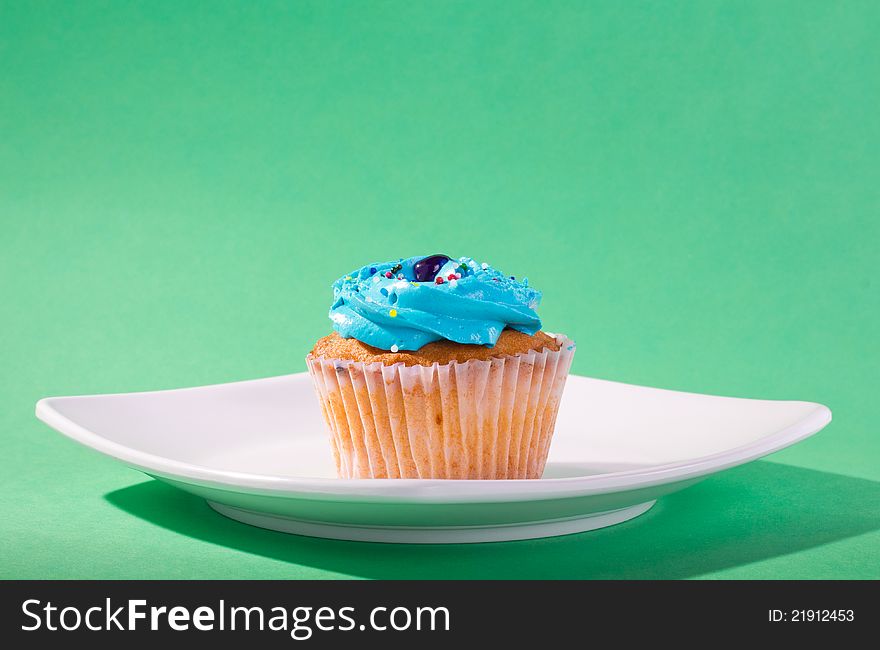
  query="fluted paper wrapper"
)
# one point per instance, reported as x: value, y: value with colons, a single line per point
x: 488, y: 419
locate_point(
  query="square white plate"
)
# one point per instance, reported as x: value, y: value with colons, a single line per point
x: 258, y: 452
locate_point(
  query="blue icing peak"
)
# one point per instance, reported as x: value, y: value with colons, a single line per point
x: 386, y: 306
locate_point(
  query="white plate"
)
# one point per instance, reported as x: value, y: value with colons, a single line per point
x: 258, y: 452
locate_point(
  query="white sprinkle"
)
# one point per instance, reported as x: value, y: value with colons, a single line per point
x: 394, y: 348
x: 453, y: 284
x: 484, y: 266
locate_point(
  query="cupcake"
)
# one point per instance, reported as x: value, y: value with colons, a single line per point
x: 438, y: 368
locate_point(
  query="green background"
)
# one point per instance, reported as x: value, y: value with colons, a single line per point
x: 693, y: 185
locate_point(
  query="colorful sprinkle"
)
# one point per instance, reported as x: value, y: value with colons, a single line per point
x: 372, y: 270
x: 415, y: 284
x: 389, y: 274
x: 394, y: 348
x: 451, y: 276
x: 383, y: 291
x: 400, y: 276
x: 512, y: 277
x: 439, y: 279
x: 393, y: 313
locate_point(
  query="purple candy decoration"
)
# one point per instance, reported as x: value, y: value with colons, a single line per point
x: 427, y: 269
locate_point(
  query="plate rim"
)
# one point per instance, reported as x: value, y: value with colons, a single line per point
x: 432, y: 490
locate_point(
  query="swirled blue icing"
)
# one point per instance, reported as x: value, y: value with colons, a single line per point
x: 400, y: 313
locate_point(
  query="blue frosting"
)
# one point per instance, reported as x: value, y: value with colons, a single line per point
x: 399, y: 313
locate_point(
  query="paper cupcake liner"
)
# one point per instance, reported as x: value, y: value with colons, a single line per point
x: 489, y: 419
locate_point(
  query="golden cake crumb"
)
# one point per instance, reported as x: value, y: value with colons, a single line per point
x: 510, y: 342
